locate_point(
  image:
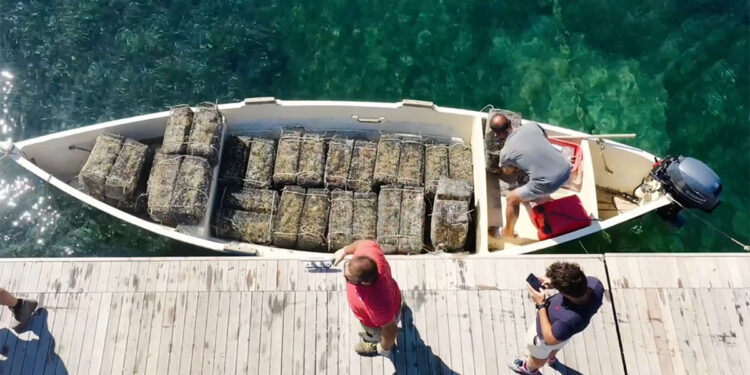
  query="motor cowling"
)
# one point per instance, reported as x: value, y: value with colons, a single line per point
x: 689, y: 181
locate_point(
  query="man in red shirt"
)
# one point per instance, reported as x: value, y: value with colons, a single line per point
x: 373, y: 296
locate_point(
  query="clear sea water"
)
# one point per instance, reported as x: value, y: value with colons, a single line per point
x: 676, y: 72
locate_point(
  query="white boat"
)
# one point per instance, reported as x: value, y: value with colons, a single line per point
x: 610, y: 171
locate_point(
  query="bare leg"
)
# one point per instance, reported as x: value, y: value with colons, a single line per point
x: 534, y: 364
x: 7, y: 299
x: 553, y: 353
x: 389, y: 333
x: 512, y: 208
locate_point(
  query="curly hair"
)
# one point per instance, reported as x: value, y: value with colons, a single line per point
x: 568, y: 278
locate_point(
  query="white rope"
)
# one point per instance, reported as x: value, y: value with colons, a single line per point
x: 715, y: 228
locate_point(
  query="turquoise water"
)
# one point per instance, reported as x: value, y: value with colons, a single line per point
x: 675, y: 72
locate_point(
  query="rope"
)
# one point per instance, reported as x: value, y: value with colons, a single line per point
x: 715, y: 228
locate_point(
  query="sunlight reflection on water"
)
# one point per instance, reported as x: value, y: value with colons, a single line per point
x: 23, y: 210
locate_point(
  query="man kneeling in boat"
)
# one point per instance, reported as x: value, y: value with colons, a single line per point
x: 527, y: 149
x: 373, y: 295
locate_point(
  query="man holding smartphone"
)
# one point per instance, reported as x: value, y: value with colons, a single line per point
x: 560, y: 316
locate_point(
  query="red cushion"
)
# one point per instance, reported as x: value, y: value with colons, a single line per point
x: 559, y: 216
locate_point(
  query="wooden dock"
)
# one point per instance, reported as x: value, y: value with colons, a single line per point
x: 665, y: 314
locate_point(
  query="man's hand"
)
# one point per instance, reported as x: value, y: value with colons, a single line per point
x: 537, y: 297
x: 546, y: 282
x: 339, y: 255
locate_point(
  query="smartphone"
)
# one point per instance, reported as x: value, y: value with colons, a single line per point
x: 534, y: 282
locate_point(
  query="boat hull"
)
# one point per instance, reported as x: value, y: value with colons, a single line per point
x: 57, y: 158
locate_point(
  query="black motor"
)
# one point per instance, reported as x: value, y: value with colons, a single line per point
x: 690, y: 182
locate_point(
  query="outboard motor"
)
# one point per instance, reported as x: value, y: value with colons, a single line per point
x: 689, y: 182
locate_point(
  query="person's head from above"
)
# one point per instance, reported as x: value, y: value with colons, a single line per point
x: 568, y: 279
x: 501, y: 126
x: 361, y: 270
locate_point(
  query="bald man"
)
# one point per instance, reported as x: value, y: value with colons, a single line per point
x: 527, y: 148
x: 373, y: 295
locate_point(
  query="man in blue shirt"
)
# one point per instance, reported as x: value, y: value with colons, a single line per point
x: 526, y: 148
x: 560, y: 316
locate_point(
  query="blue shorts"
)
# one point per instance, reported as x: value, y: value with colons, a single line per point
x: 534, y: 190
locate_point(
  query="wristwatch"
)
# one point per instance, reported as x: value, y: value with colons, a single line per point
x: 543, y: 304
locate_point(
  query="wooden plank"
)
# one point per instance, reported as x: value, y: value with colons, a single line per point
x: 115, y: 310
x: 199, y: 336
x: 272, y: 275
x: 287, y: 344
x: 209, y: 340
x: 311, y: 304
x: 154, y: 340
x: 429, y: 331
x: 177, y: 339
x: 63, y: 329
x: 266, y: 334
x: 92, y: 364
x: 243, y: 337
x: 232, y: 276
x: 173, y: 274
x: 222, y: 318
x: 298, y: 333
x: 167, y: 318
x: 742, y: 305
x: 256, y: 330
x: 686, y: 333
x: 353, y: 364
x: 693, y: 298
x: 46, y: 340
x: 332, y: 333
x: 478, y: 331
x: 502, y: 341
x: 649, y: 337
x: 144, y: 333
x: 670, y: 330
x: 715, y: 332
x: 185, y: 275
x: 162, y: 274
x: 454, y: 328
x: 123, y: 279
x: 727, y: 335
x: 41, y: 283
x: 606, y: 338
x: 134, y: 332
x: 320, y: 325
x: 233, y: 326
x: 591, y: 350
x: 90, y: 310
x: 419, y: 323
x: 408, y: 338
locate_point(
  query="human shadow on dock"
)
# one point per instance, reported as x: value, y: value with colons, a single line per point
x: 412, y: 355
x: 24, y: 353
x: 564, y: 369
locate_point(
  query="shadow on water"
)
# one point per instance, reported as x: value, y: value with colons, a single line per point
x: 414, y: 352
x: 32, y: 350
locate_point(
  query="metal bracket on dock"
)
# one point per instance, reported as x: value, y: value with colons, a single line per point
x: 417, y: 103
x: 260, y: 100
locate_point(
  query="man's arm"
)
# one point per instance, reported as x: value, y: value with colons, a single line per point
x: 539, y: 298
x: 546, y: 325
x: 341, y: 253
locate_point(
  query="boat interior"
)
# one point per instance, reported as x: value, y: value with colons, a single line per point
x: 606, y: 175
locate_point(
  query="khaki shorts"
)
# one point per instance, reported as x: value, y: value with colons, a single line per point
x: 536, y: 346
x: 372, y: 334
